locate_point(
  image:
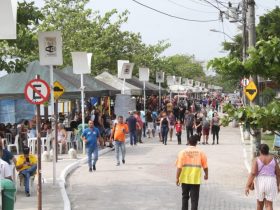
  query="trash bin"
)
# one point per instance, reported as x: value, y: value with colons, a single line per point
x: 8, y: 194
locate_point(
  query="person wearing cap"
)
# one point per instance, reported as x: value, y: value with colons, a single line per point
x: 27, y: 166
x: 189, y: 163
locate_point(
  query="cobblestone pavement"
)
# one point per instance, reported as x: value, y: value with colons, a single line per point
x: 147, y: 180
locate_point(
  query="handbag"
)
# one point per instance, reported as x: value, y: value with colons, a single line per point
x: 252, y: 185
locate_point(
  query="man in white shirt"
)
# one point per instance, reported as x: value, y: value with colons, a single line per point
x: 5, y: 170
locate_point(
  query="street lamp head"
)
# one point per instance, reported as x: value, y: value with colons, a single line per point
x: 214, y: 30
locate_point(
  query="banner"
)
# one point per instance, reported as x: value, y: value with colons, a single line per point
x: 178, y: 80
x: 160, y: 77
x: 50, y: 48
x: 190, y: 82
x: 196, y: 83
x: 185, y: 81
x: 144, y: 74
x: 8, y: 19
x: 170, y: 80
x: 81, y: 62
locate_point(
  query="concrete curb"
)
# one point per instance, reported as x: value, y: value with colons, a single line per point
x: 66, y: 171
x: 246, y: 162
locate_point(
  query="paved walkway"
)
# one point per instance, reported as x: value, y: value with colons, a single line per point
x: 147, y: 180
x: 52, y: 199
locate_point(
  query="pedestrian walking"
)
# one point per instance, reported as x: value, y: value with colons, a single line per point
x: 266, y: 173
x: 118, y: 135
x: 178, y: 129
x: 132, y: 124
x: 215, y: 127
x: 139, y: 126
x: 150, y: 123
x: 158, y: 128
x: 189, y: 124
x: 90, y: 136
x: 198, y: 124
x: 189, y: 164
x: 205, y: 129
x: 172, y: 121
x: 164, y: 127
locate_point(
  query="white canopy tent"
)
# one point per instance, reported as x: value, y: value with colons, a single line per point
x: 117, y: 83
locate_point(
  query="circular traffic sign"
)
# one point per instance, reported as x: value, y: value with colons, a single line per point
x: 37, y: 91
x: 245, y: 82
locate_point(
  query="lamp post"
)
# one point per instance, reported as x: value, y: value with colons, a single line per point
x: 144, y: 74
x: 159, y: 80
x: 82, y: 65
x: 217, y: 31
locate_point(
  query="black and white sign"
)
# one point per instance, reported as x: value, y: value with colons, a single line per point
x: 50, y: 48
x: 160, y: 77
x: 37, y: 91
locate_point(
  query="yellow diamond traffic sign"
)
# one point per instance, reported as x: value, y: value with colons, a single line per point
x: 58, y: 89
x: 251, y: 91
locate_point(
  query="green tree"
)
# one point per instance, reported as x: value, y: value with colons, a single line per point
x: 184, y: 66
x: 15, y: 54
x: 269, y: 25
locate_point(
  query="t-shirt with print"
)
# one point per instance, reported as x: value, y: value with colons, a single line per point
x: 91, y: 136
x: 119, y: 130
x: 191, y: 161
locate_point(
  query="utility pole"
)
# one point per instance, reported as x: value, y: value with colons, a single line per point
x: 244, y: 30
x: 244, y: 41
x: 256, y: 140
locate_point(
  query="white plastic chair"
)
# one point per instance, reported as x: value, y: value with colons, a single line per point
x: 9, y: 138
x: 16, y: 145
x: 32, y: 144
x: 69, y: 140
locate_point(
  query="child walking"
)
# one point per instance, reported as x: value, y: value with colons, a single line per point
x: 178, y: 128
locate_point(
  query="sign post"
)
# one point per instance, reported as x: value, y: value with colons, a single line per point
x: 82, y: 65
x: 244, y: 82
x: 144, y: 74
x: 159, y: 80
x: 58, y: 91
x: 50, y: 52
x: 37, y: 92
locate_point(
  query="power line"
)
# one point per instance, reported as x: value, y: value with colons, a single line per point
x: 191, y: 9
x: 173, y: 16
x: 198, y: 2
x: 222, y: 20
x: 222, y: 4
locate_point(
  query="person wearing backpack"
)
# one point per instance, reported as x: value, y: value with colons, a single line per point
x: 188, y: 123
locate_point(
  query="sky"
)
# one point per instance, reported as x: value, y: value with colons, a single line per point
x: 192, y: 38
x: 185, y: 37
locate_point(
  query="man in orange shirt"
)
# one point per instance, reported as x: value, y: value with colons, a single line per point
x: 118, y: 135
x: 189, y: 163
